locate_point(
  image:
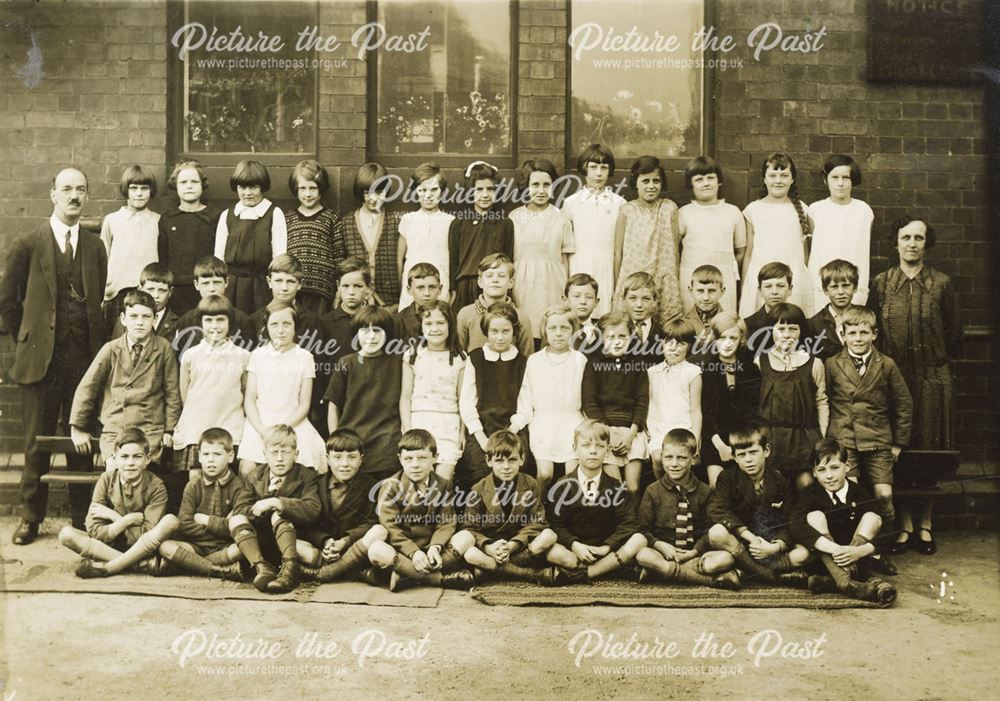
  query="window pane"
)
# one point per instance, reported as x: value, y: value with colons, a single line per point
x: 636, y: 102
x: 453, y: 96
x: 255, y: 101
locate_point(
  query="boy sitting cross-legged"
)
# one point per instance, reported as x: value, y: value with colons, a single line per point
x: 203, y: 544
x: 673, y: 518
x: 591, y: 511
x: 838, y: 520
x: 126, y: 521
x: 749, y: 511
x: 347, y: 535
x: 416, y: 506
x: 281, y: 496
x: 504, y: 520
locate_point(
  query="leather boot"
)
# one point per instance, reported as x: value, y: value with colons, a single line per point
x: 287, y: 579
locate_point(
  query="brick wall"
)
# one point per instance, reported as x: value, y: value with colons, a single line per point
x: 542, y: 119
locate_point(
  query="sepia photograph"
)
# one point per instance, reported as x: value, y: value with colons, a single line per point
x: 450, y: 349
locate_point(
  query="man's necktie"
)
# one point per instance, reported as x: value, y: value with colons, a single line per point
x: 68, y: 248
x: 859, y: 364
x: 684, y: 519
x: 136, y: 352
x: 215, y: 499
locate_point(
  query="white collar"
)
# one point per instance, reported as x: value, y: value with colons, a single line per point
x: 60, y: 229
x: 584, y: 480
x: 255, y: 212
x: 159, y: 317
x: 842, y: 492
x: 138, y: 214
x: 492, y: 356
x: 863, y: 358
x: 590, y: 194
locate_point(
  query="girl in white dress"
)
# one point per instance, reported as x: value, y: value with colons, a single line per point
x: 593, y: 211
x: 778, y: 229
x: 674, y: 390
x: 843, y: 228
x: 432, y: 381
x: 423, y: 235
x: 712, y: 232
x: 550, y: 401
x: 543, y: 240
x: 279, y: 390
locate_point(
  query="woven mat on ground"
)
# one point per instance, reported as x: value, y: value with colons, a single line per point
x: 622, y: 593
x: 60, y: 578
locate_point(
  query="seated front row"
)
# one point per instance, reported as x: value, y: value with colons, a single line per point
x: 284, y: 523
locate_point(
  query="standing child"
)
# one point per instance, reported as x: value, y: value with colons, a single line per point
x: 705, y: 289
x: 490, y: 383
x: 423, y: 235
x: 346, y: 536
x: 646, y: 237
x: 212, y: 381
x: 778, y: 229
x: 280, y: 376
x: 127, y: 513
x: 364, y: 389
x: 423, y: 284
x: 281, y: 500
x: 203, y: 544
x: 186, y: 232
x: 593, y: 211
x: 836, y: 519
x: 158, y: 281
x: 674, y: 519
x: 372, y: 233
x: 580, y: 293
x: 712, y: 231
x: 130, y: 235
x: 774, y: 285
x: 249, y: 235
x: 674, y: 390
x: 131, y: 383
x: 504, y: 523
x: 417, y: 509
x: 730, y: 393
x: 616, y: 392
x: 840, y: 281
x: 432, y: 379
x: 476, y: 234
x: 211, y: 277
x: 550, y: 401
x: 496, y: 276
x: 591, y: 513
x: 843, y: 228
x: 793, y: 401
x: 871, y: 409
x: 543, y: 240
x: 313, y: 236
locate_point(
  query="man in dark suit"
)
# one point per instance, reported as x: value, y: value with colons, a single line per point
x: 50, y: 301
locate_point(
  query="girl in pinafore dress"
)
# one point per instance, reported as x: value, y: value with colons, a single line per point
x: 793, y: 401
x: 543, y: 240
x: 279, y: 391
x: 593, y: 211
x: 778, y: 229
x: 712, y: 232
x: 432, y: 381
x: 646, y: 238
x: 423, y: 235
x: 249, y: 235
x: 550, y: 402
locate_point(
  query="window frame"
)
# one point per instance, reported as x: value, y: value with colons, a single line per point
x: 392, y: 160
x: 709, y: 86
x: 176, y: 86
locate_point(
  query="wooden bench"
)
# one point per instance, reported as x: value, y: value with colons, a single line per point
x: 63, y: 445
x: 919, y: 473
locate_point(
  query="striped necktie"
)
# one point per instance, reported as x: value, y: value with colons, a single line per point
x: 215, y: 499
x: 684, y: 521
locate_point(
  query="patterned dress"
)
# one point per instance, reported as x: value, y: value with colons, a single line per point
x: 434, y: 400
x: 540, y: 240
x: 920, y: 328
x: 650, y: 246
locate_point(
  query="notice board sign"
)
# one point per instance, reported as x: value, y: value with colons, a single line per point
x: 925, y: 41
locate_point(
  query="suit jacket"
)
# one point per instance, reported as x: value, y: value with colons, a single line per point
x: 197, y: 499
x: 824, y: 323
x: 148, y: 497
x: 355, y: 516
x: 414, y: 524
x: 485, y: 519
x: 609, y: 521
x: 299, y: 494
x: 733, y: 503
x: 658, y: 511
x: 870, y: 412
x: 28, y: 298
x: 146, y: 396
x: 841, y: 521
x: 759, y: 339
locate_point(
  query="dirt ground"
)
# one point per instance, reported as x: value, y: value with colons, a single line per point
x: 58, y: 646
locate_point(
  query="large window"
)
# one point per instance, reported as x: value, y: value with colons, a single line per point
x: 634, y: 96
x: 250, y: 101
x: 452, y: 95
